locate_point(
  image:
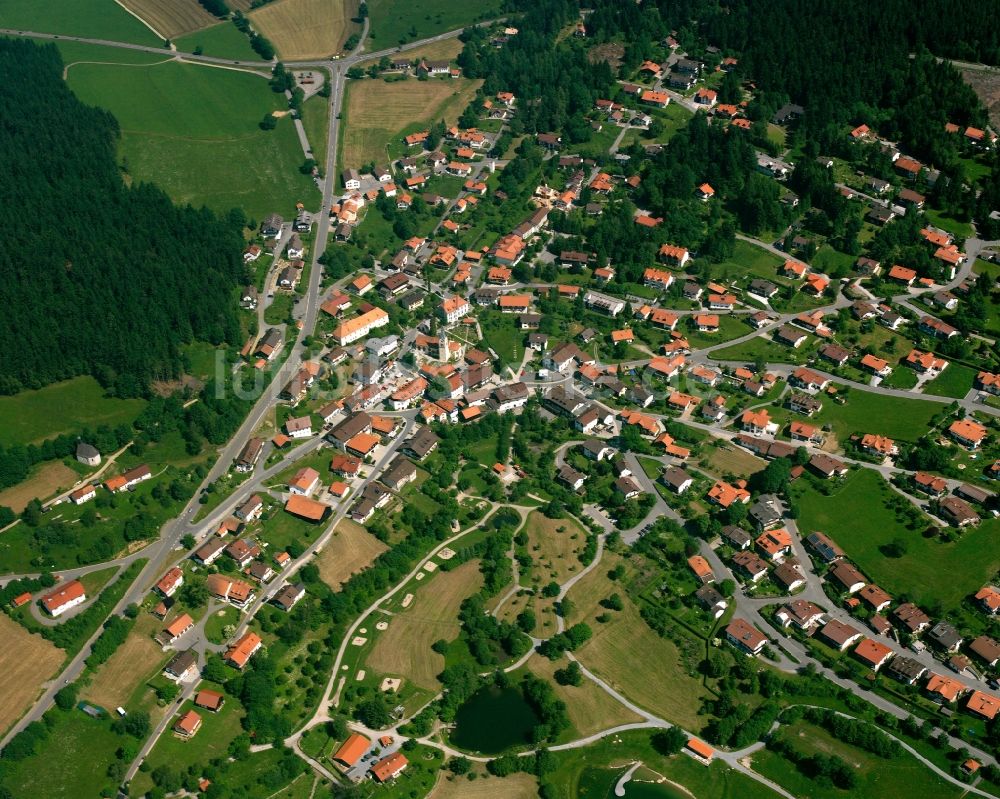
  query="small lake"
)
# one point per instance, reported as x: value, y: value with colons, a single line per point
x: 492, y: 720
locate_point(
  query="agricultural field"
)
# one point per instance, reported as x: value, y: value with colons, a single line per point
x: 931, y: 571
x: 44, y: 481
x: 729, y: 459
x: 351, y: 549
x: 446, y: 49
x: 27, y: 661
x: 171, y: 19
x: 377, y: 113
x: 194, y: 131
x: 316, y: 121
x: 302, y: 29
x: 116, y: 681
x: 93, y: 19
x: 405, y: 648
x: 222, y: 40
x: 77, y: 52
x: 625, y: 640
x: 30, y: 417
x: 399, y: 21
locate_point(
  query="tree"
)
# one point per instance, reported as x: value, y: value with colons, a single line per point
x: 459, y: 765
x: 373, y: 713
x: 66, y: 696
x: 571, y: 675
x: 669, y: 741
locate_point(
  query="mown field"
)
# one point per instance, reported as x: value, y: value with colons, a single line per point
x: 194, y: 132
x: 26, y: 661
x: 43, y: 481
x: 301, y: 29
x: 135, y: 661
x: 33, y: 416
x: 399, y: 21
x: 514, y: 786
x: 351, y: 549
x: 93, y: 19
x: 857, y: 517
x: 377, y: 113
x: 171, y: 19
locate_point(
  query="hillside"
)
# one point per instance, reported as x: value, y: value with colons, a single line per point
x: 99, y: 278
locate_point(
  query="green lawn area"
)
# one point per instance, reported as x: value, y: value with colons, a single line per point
x: 829, y: 260
x: 74, y: 52
x: 222, y: 41
x: 763, y: 347
x: 600, y: 141
x: 901, y: 377
x: 399, y: 21
x: 930, y: 572
x: 33, y: 416
x: 867, y: 412
x: 72, y: 762
x: 278, y: 311
x: 93, y: 19
x: 194, y: 131
x: 955, y: 381
x: 945, y: 222
x: 500, y: 331
x: 748, y: 260
x: 217, y: 621
x: 877, y: 777
x: 316, y: 121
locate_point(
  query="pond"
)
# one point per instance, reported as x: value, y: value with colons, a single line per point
x: 492, y: 720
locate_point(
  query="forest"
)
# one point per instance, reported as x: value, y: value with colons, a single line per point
x: 100, y: 278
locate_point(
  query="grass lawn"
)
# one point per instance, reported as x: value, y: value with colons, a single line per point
x: 830, y: 260
x: 945, y: 222
x: 316, y: 121
x: 116, y: 681
x: 748, y: 260
x: 513, y: 786
x: 955, y: 381
x: 72, y: 762
x: 377, y: 114
x: 93, y: 19
x: 867, y: 412
x: 74, y: 52
x: 30, y: 417
x: 502, y: 334
x: 223, y: 40
x: 194, y: 131
x: 399, y: 21
x: 902, y: 377
x: 763, y: 347
x: 930, y: 572
x: 876, y: 777
x: 674, y: 117
x: 217, y: 621
x: 351, y: 549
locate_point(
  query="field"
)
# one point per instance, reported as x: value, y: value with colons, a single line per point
x: 30, y: 417
x: 194, y: 132
x: 399, y: 21
x: 74, y: 52
x: 591, y: 708
x: 620, y: 644
x: 43, y: 482
x: 748, y: 260
x: 171, y: 19
x: 376, y: 113
x: 405, y: 648
x: 26, y: 662
x: 116, y: 680
x: 316, y: 121
x: 728, y: 459
x: 435, y: 51
x: 876, y: 777
x: 302, y: 29
x: 930, y: 571
x: 351, y: 549
x: 514, y: 786
x: 94, y: 19
x: 553, y: 545
x: 955, y: 381
x: 222, y: 40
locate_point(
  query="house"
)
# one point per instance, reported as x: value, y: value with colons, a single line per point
x: 87, y: 454
x: 289, y: 596
x: 988, y: 382
x: 571, y: 477
x: 901, y: 274
x: 209, y: 552
x: 790, y: 336
x: 271, y: 226
x: 128, y: 480
x: 839, y: 635
x: 170, y: 582
x: 603, y: 303
x: 707, y: 323
x: 800, y: 431
x: 389, y: 767
x: 176, y: 628
x: 674, y: 255
x: 936, y: 328
x: 906, y: 670
x: 711, y: 600
x: 968, y: 433
x: 789, y: 575
x: 930, y: 484
x: 64, y: 598
x: 702, y: 570
x: 736, y: 537
x: 756, y: 422
x: 247, y: 460
x: 988, y: 598
x: 305, y: 482
x: 876, y: 599
x: 881, y: 446
x: 805, y: 404
x: 766, y: 513
x: 745, y: 637
x: 82, y: 495
x: 260, y: 571
x: 824, y: 547
x: 299, y: 427
x: 873, y: 654
x: 847, y: 577
x: 775, y: 544
x: 236, y: 592
x: 986, y: 649
x: 808, y: 379
x: 723, y: 494
x: 983, y: 704
x: 422, y: 443
x: 351, y: 179
x: 912, y: 618
x: 875, y: 366
x: 359, y: 327
x: 677, y: 479
x: 945, y: 636
x: 187, y: 725
x: 239, y: 654
x: 209, y: 700
x: 721, y: 302
x: 182, y: 666
x: 958, y: 512
x: 944, y: 689
x: 628, y: 487
x: 800, y: 613
x: 750, y: 565
x: 925, y: 362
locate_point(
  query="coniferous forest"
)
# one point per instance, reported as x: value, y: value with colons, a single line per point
x: 98, y: 277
